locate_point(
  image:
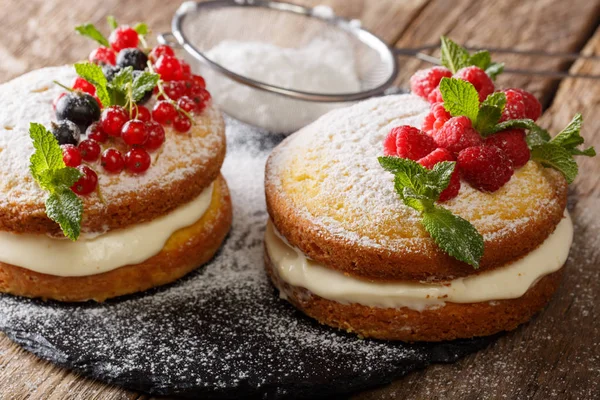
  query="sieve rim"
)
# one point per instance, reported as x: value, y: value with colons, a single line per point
x: 361, y: 34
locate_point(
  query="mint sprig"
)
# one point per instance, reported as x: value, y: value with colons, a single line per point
x: 419, y: 188
x: 52, y: 175
x: 89, y: 30
x: 94, y: 75
x: 455, y: 57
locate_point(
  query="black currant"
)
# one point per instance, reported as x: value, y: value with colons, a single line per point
x: 66, y: 132
x: 147, y: 95
x: 132, y: 58
x: 110, y: 71
x: 78, y: 107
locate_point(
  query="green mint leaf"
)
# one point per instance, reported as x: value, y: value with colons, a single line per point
x: 454, y: 56
x: 481, y: 59
x: 460, y: 98
x: 112, y: 22
x: 415, y: 200
x: 50, y: 179
x: 511, y: 124
x: 122, y: 79
x: 455, y: 235
x: 141, y: 28
x: 143, y: 83
x: 47, y: 155
x: 537, y: 136
x: 552, y: 155
x: 496, y: 99
x: 94, y: 75
x: 89, y: 30
x: 487, y: 118
x: 440, y: 175
x: 65, y: 208
x: 494, y: 70
x: 570, y: 137
x: 589, y: 152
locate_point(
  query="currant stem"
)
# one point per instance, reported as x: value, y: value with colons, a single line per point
x: 71, y: 90
x: 161, y: 92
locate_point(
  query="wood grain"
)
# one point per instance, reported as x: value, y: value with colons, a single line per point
x: 557, y: 354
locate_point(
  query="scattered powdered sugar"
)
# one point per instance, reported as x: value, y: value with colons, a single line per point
x: 322, y: 66
x: 222, y: 330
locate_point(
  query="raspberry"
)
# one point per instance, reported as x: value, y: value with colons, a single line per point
x: 457, y: 134
x: 112, y: 161
x: 112, y: 120
x: 87, y: 183
x: 89, y: 149
x: 160, y: 50
x: 84, y: 86
x: 424, y: 81
x: 485, y: 167
x: 512, y: 142
x: 169, y: 68
x: 142, y: 113
x: 123, y: 37
x: 156, y: 135
x: 182, y: 123
x: 103, y: 55
x: 134, y: 132
x: 94, y: 132
x: 137, y: 160
x: 436, y: 118
x: 71, y: 155
x: 439, y: 155
x: 435, y: 96
x: 408, y: 142
x: 163, y: 112
x: 520, y: 104
x: 478, y: 78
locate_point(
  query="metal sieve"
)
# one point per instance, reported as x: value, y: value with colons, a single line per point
x: 198, y: 27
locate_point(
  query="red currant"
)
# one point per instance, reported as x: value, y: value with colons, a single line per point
x: 98, y: 101
x: 169, y: 68
x: 156, y: 135
x: 103, y: 55
x: 186, y: 104
x: 71, y: 156
x: 200, y: 97
x: 134, y: 132
x: 160, y: 50
x: 199, y: 81
x: 112, y: 120
x: 112, y: 161
x: 87, y: 183
x: 137, y: 160
x: 182, y: 123
x: 60, y: 96
x: 84, y: 86
x: 164, y: 112
x: 95, y: 132
x: 142, y: 113
x: 175, y: 89
x: 89, y: 149
x: 123, y: 37
x: 185, y: 68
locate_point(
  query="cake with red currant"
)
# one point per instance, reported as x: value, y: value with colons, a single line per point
x: 110, y: 173
x: 430, y: 216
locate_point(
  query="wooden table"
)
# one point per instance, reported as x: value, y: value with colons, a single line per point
x: 557, y: 355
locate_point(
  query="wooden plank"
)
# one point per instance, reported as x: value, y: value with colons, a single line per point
x: 525, y: 25
x: 557, y: 355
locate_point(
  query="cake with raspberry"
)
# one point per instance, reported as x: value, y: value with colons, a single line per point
x: 110, y: 173
x: 400, y: 219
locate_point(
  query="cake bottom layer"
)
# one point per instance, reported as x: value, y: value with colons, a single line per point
x: 185, y: 250
x: 451, y: 321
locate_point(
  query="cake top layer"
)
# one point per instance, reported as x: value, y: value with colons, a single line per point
x: 29, y: 97
x: 329, y: 175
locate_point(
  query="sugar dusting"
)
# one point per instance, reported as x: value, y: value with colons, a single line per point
x: 222, y: 328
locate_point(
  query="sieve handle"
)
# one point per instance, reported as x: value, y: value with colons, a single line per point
x: 169, y: 39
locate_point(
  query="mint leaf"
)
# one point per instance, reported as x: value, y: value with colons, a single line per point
x: 455, y: 235
x: 143, y: 83
x: 454, y: 57
x: 487, y: 118
x: 415, y: 200
x: 494, y: 70
x: 47, y: 155
x: 122, y: 79
x: 589, y: 152
x: 94, y: 75
x: 460, y: 98
x: 89, y: 30
x: 141, y: 28
x: 439, y: 176
x: 481, y: 59
x: 554, y: 156
x: 496, y: 99
x: 511, y: 124
x: 537, y: 136
x: 570, y: 137
x: 65, y: 208
x: 112, y: 22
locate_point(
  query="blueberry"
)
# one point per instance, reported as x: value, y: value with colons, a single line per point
x: 110, y: 71
x: 147, y: 95
x: 132, y: 58
x: 66, y: 132
x: 78, y: 107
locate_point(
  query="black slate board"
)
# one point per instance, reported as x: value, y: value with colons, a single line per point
x: 221, y: 332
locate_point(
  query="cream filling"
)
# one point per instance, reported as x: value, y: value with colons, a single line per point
x: 508, y: 282
x: 94, y: 255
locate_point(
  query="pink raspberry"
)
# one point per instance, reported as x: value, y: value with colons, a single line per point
x: 408, y: 142
x: 478, y: 78
x: 425, y: 80
x: 485, y: 167
x: 435, y: 96
x: 521, y: 104
x: 457, y: 134
x: 512, y: 142
x: 436, y: 118
x: 439, y: 155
